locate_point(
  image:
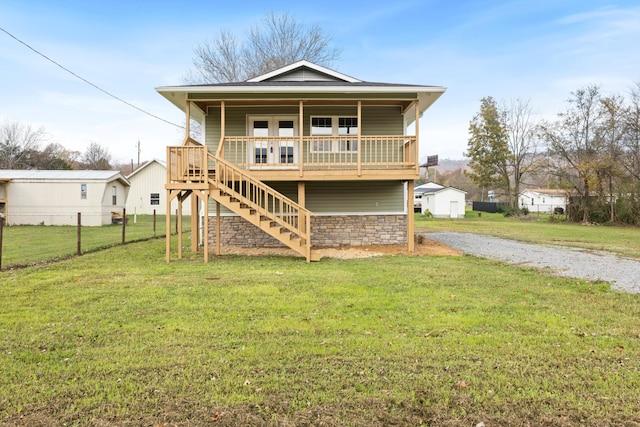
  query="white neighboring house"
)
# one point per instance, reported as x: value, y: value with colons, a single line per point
x: 55, y: 197
x: 543, y: 200
x: 148, y: 192
x: 444, y: 202
x: 417, y: 194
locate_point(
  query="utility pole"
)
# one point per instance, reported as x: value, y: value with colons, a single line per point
x: 138, y: 152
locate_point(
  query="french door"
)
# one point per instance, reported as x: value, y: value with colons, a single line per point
x: 273, y: 151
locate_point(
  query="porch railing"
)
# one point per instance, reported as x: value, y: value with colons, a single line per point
x: 315, y: 152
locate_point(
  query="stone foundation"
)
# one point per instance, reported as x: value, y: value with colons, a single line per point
x: 326, y: 231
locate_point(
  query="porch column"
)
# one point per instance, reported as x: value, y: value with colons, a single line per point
x: 179, y: 227
x: 195, y: 214
x: 417, y: 147
x: 359, y: 133
x: 205, y: 226
x: 187, y: 126
x: 302, y: 194
x: 168, y: 229
x: 410, y: 219
x: 217, y: 228
x: 301, y: 136
x: 223, y: 130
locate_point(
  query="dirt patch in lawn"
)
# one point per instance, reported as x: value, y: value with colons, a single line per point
x: 427, y: 247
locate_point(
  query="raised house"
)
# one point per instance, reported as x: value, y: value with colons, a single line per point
x: 303, y: 156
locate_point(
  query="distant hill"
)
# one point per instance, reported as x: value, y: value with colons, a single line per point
x: 445, y: 165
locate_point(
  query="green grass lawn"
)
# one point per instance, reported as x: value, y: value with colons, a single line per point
x: 538, y: 229
x: 28, y: 244
x: 119, y: 337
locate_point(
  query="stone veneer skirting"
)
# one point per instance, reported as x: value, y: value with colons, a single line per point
x: 326, y: 231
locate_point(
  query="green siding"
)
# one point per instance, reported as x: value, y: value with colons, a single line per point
x: 355, y: 197
x: 343, y: 197
x: 383, y: 120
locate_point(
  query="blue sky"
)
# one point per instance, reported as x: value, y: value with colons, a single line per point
x: 537, y: 50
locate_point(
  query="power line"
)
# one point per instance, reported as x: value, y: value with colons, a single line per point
x: 87, y: 81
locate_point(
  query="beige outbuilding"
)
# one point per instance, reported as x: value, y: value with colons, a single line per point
x: 55, y: 197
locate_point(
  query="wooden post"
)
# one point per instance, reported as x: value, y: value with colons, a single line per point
x: 168, y: 228
x: 1, y: 228
x: 301, y: 137
x: 179, y: 227
x: 154, y: 223
x: 124, y: 224
x: 302, y: 194
x: 79, y: 234
x: 416, y: 150
x: 410, y: 225
x: 195, y: 217
x: 359, y: 138
x: 187, y: 127
x: 205, y: 225
x: 217, y: 228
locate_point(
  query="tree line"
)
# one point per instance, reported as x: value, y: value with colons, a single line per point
x: 591, y: 150
x: 24, y: 147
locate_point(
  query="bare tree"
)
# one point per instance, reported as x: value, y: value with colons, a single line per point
x: 18, y: 143
x: 522, y: 142
x: 278, y: 40
x: 631, y: 139
x: 577, y: 146
x: 96, y: 157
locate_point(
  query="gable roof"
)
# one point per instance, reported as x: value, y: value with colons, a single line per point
x: 314, y: 72
x: 442, y: 189
x: 147, y: 164
x: 302, y: 77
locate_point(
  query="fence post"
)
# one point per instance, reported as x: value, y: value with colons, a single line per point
x: 124, y: 223
x: 1, y: 228
x: 79, y: 234
x: 154, y: 223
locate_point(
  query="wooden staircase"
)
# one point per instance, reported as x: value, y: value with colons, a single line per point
x: 262, y: 206
x: 253, y: 200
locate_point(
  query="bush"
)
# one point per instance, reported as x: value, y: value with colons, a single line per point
x: 507, y: 212
x: 558, y: 211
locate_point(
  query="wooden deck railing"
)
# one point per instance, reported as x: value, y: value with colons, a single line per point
x: 187, y: 163
x: 314, y: 152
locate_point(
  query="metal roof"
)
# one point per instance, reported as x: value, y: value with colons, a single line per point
x: 70, y: 175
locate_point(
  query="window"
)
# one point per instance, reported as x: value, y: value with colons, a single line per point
x: 348, y: 126
x: 114, y: 198
x: 155, y: 198
x: 83, y: 191
x: 261, y: 128
x: 285, y: 128
x: 334, y: 126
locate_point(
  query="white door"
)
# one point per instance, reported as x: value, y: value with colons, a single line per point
x: 273, y: 151
x: 453, y: 209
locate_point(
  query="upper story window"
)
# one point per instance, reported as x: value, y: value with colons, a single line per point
x: 334, y: 126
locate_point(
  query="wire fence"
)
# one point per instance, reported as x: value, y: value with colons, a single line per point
x: 25, y: 245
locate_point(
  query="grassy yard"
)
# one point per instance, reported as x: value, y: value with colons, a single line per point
x: 538, y: 229
x: 28, y: 244
x: 119, y: 337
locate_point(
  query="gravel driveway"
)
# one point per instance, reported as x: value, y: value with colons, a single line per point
x: 623, y: 273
